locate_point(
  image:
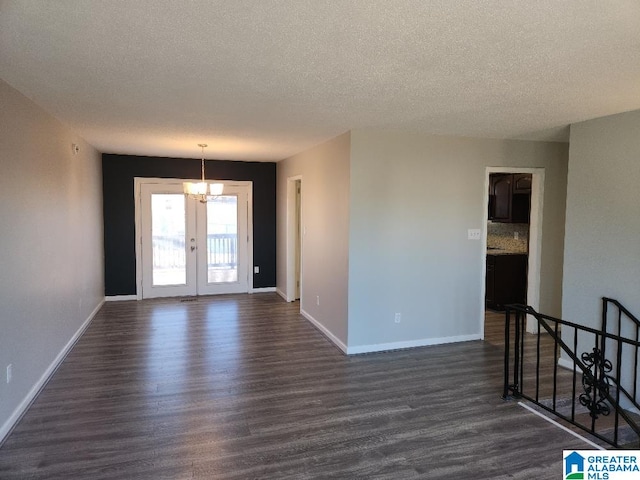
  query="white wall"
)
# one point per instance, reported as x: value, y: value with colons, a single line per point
x: 413, y: 197
x: 602, y: 246
x: 325, y: 218
x: 51, y: 244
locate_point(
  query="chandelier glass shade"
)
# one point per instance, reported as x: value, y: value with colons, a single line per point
x: 202, y: 191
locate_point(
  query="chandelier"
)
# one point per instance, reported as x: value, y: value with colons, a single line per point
x: 202, y: 191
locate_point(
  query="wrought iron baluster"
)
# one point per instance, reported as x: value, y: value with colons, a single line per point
x: 507, y: 341
x: 523, y: 318
x: 596, y: 384
x: 538, y: 365
x: 635, y: 366
x: 575, y: 374
x: 516, y: 359
x: 617, y: 382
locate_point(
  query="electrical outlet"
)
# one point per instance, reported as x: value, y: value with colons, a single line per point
x: 9, y: 372
x: 397, y: 317
x: 256, y: 269
x: 318, y: 300
x: 516, y: 235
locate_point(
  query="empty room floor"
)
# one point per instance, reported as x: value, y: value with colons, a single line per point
x: 241, y: 386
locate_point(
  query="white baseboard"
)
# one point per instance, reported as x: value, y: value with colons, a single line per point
x: 20, y: 410
x: 120, y: 298
x: 565, y: 363
x: 325, y: 331
x: 262, y: 290
x: 423, y: 342
x: 285, y: 297
x: 383, y: 347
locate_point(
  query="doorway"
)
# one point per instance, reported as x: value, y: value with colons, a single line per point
x: 188, y: 248
x: 533, y: 260
x: 295, y: 236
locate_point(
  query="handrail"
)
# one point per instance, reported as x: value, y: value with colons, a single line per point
x: 593, y: 367
x: 622, y: 310
x: 631, y: 316
x: 169, y: 250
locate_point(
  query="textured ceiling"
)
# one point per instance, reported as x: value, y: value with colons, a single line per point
x: 265, y: 79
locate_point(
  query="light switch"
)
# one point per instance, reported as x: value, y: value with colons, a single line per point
x: 474, y: 234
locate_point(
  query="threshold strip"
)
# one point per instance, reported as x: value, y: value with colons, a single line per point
x: 577, y: 435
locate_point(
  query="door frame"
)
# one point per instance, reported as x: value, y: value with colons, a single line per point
x: 138, y: 181
x: 291, y: 238
x: 535, y: 238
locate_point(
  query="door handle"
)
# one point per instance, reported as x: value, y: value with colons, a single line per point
x: 193, y: 248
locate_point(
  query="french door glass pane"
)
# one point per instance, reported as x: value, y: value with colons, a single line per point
x: 222, y: 239
x: 168, y: 239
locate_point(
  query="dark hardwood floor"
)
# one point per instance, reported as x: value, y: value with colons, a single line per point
x: 241, y: 387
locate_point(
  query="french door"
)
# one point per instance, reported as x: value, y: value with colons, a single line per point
x: 192, y: 248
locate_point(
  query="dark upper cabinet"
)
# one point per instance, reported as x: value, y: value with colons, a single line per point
x: 509, y: 197
x: 522, y: 183
x: 500, y: 197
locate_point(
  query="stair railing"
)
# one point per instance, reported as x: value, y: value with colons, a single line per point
x: 590, y: 384
x: 623, y: 323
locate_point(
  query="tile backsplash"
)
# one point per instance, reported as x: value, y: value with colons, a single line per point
x: 502, y: 236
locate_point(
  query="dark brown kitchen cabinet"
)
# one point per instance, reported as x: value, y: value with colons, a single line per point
x: 522, y: 183
x: 500, y: 197
x: 509, y: 197
x: 506, y: 280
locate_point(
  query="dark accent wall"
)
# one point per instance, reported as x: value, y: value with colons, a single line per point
x: 118, y: 172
